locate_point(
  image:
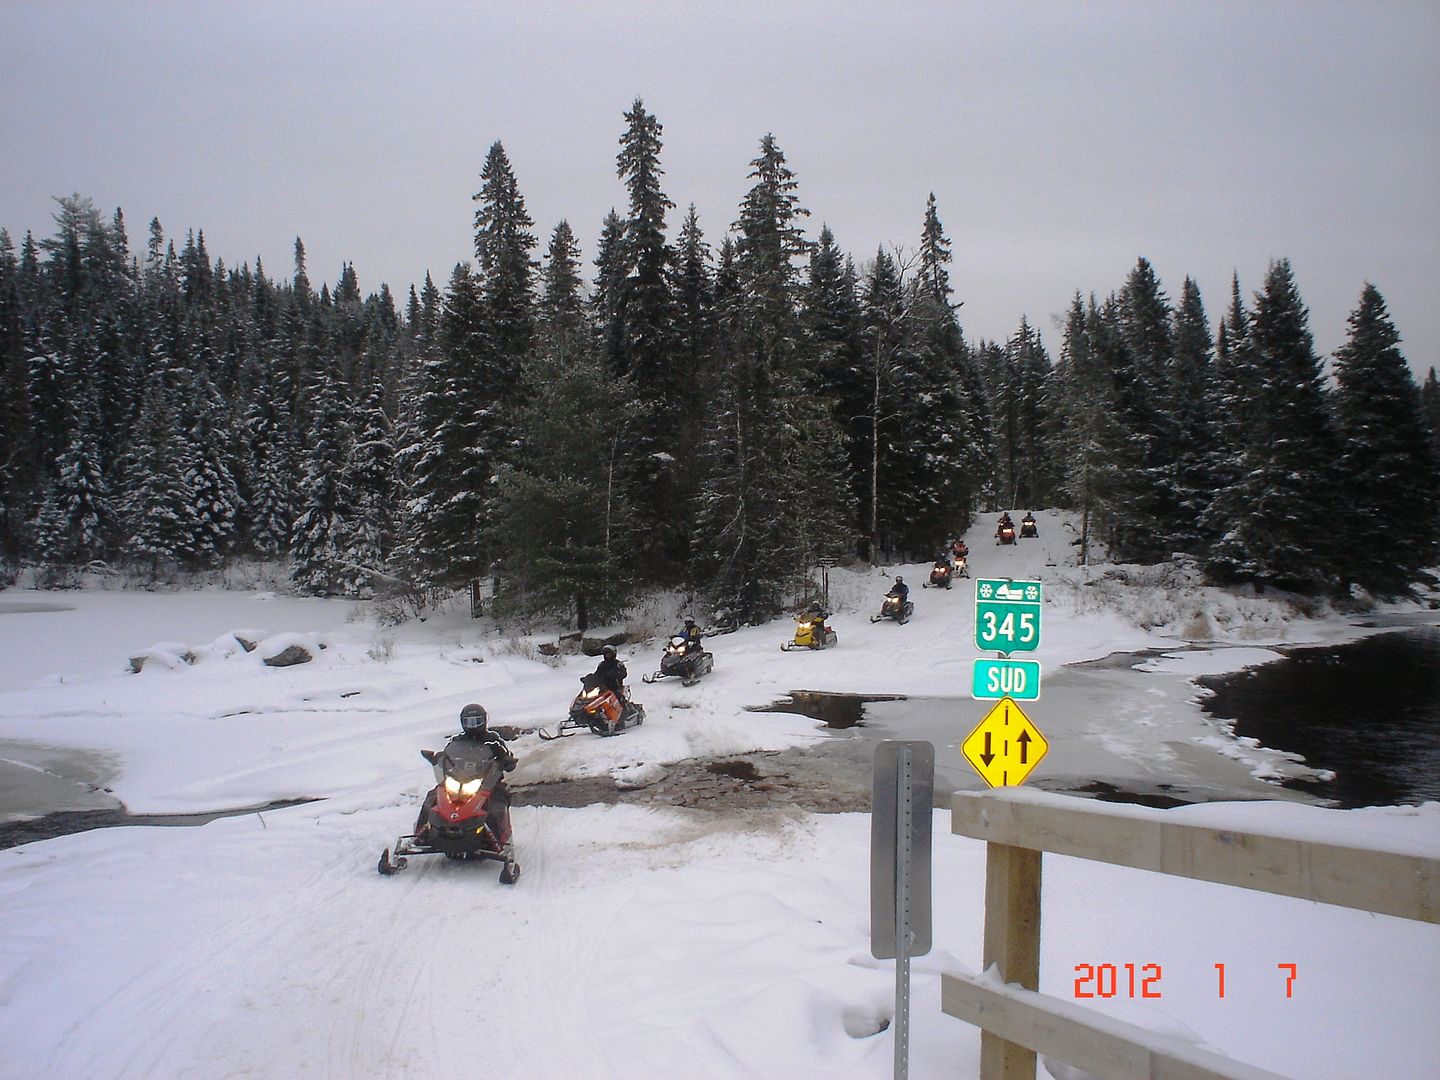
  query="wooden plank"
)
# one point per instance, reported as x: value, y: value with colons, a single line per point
x: 1407, y: 886
x: 1012, y: 944
x: 1081, y: 1037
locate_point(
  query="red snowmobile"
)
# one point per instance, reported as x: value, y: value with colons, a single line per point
x: 599, y: 709
x: 1005, y: 532
x: 465, y: 816
x: 940, y: 575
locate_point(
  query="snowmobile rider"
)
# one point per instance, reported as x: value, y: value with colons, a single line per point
x: 959, y: 550
x: 900, y: 589
x: 611, y: 673
x: 691, y: 634
x: 475, y: 727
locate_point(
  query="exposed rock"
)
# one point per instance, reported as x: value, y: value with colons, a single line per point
x: 289, y: 656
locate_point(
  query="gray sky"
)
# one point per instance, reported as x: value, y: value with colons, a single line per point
x: 1062, y: 140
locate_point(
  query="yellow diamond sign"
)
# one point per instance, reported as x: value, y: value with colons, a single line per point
x: 1005, y: 746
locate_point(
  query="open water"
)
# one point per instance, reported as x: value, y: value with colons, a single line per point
x: 1369, y: 711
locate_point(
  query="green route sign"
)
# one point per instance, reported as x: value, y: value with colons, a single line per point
x: 996, y: 679
x: 1007, y: 615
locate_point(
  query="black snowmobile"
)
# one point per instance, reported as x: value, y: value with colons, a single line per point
x: 457, y: 819
x: 684, y: 661
x: 894, y: 608
x: 1028, y: 528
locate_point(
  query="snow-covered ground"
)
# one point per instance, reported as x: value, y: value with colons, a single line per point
x: 641, y: 940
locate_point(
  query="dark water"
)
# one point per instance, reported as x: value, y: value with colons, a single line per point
x: 1369, y: 711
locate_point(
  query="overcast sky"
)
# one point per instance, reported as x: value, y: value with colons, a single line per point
x: 1062, y: 140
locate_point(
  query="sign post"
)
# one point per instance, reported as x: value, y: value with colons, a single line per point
x: 900, y: 827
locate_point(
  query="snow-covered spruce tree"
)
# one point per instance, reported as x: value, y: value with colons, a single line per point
x: 370, y: 480
x: 953, y: 405
x: 653, y: 462
x: 158, y: 516
x: 1020, y: 405
x: 831, y: 321
x: 1281, y: 512
x: 1197, y: 411
x: 320, y: 544
x: 758, y: 521
x: 503, y: 246
x: 1430, y: 411
x: 213, y: 493
x: 76, y: 520
x: 562, y: 528
x: 17, y: 463
x: 1389, y: 481
x: 1145, y: 395
x: 891, y: 379
x: 450, y: 458
x: 1098, y: 466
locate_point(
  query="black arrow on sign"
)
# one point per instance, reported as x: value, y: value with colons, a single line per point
x: 1024, y: 741
x: 987, y: 756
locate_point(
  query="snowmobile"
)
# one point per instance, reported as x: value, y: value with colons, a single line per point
x: 1028, y: 528
x: 940, y: 575
x: 962, y: 566
x: 680, y: 661
x: 894, y: 608
x: 1005, y: 534
x: 598, y: 709
x: 811, y: 632
x: 454, y: 819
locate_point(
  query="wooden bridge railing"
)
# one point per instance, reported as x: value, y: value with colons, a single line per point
x: 1017, y: 1021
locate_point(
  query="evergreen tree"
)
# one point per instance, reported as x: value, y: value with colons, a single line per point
x: 320, y: 544
x: 562, y: 525
x: 76, y: 521
x: 1280, y: 513
x: 1430, y: 410
x: 369, y: 480
x: 1197, y: 408
x: 503, y: 243
x: 1389, y: 472
x: 758, y: 521
x: 1148, y: 524
x: 451, y: 455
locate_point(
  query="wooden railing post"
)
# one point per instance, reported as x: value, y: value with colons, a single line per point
x: 1012, y: 941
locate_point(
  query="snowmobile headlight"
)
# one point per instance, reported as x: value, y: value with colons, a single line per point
x: 469, y: 790
x: 452, y: 787
x: 591, y: 694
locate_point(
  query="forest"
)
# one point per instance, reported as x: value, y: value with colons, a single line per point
x: 710, y: 416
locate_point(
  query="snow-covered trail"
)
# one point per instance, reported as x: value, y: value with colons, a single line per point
x: 640, y: 941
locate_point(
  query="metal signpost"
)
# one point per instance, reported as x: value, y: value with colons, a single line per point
x: 901, y: 815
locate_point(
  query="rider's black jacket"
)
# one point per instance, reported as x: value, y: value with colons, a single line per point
x: 612, y: 675
x: 489, y: 738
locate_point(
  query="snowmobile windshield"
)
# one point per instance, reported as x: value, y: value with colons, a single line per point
x: 464, y: 762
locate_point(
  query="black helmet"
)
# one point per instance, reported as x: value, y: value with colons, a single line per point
x: 689, y: 621
x: 608, y: 652
x: 899, y: 580
x: 474, y: 718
